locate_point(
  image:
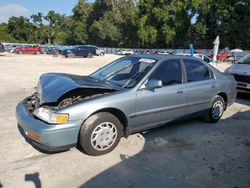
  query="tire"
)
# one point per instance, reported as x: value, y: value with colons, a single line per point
x: 214, y: 114
x: 101, y: 54
x: 71, y: 55
x: 90, y: 55
x: 100, y: 134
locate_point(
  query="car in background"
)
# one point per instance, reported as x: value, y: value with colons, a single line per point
x: 204, y: 58
x: 28, y: 50
x: 49, y: 49
x: 131, y: 94
x: 223, y: 56
x: 125, y: 52
x: 241, y: 73
x: 164, y: 52
x: 81, y: 51
x: 199, y: 56
x: 10, y: 48
x: 98, y: 51
x: 1, y: 47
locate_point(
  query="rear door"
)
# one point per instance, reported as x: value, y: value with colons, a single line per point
x: 83, y: 51
x: 199, y: 88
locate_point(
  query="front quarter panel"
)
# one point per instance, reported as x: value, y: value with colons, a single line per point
x: 121, y: 100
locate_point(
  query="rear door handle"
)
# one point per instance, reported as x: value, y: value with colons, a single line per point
x: 180, y: 91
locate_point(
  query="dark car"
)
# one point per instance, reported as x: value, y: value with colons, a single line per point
x: 98, y: 51
x: 132, y: 94
x: 1, y: 47
x: 81, y: 51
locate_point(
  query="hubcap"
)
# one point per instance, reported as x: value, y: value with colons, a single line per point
x: 217, y: 109
x: 103, y: 136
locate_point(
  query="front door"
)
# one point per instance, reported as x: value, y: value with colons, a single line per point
x: 163, y: 104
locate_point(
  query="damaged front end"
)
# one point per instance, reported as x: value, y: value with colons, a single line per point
x: 47, y: 111
x: 57, y: 91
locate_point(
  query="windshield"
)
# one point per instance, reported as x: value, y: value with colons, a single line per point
x: 245, y: 59
x: 125, y: 72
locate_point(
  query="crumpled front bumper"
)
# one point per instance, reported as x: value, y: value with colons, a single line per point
x: 48, y: 137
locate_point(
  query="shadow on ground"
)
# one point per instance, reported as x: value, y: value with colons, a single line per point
x: 33, y: 178
x: 190, y: 154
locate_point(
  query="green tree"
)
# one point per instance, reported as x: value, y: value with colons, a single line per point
x: 4, y: 34
x: 38, y: 24
x: 81, y: 12
x: 21, y: 29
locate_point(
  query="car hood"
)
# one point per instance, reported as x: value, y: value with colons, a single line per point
x: 53, y: 85
x: 241, y: 69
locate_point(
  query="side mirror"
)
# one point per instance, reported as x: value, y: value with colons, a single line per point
x: 153, y: 84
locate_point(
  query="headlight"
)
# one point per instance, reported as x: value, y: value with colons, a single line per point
x: 50, y: 116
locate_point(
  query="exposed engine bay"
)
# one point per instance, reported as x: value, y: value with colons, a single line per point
x: 69, y: 98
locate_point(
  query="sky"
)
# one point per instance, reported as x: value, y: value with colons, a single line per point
x: 26, y: 8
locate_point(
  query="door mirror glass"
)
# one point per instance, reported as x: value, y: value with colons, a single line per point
x: 153, y: 84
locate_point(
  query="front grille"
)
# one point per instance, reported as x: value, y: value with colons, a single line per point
x: 243, y: 89
x: 241, y: 78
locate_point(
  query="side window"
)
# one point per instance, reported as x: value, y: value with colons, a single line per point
x: 196, y: 71
x: 168, y: 72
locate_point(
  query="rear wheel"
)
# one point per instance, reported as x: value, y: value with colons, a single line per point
x: 90, y: 55
x: 71, y: 55
x: 100, y: 133
x: 214, y: 114
x: 101, y: 54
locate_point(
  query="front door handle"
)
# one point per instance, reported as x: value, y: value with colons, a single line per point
x: 179, y: 91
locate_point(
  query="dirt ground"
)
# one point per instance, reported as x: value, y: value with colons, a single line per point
x: 186, y: 154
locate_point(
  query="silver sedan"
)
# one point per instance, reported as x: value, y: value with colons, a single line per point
x: 129, y: 95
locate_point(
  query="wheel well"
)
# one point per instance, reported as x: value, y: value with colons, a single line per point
x: 121, y: 116
x: 224, y: 96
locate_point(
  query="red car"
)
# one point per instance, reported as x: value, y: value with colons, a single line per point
x: 223, y: 57
x: 28, y: 50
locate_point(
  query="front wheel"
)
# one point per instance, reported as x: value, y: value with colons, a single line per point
x: 70, y: 55
x: 100, y: 134
x: 214, y: 114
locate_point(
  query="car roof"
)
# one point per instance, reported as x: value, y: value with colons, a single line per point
x: 162, y: 57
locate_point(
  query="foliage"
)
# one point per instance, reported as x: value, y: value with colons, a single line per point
x: 138, y: 23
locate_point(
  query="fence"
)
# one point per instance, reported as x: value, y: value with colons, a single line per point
x: 109, y: 50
